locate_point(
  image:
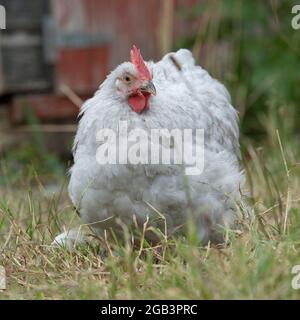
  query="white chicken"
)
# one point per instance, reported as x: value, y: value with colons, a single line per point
x: 171, y: 94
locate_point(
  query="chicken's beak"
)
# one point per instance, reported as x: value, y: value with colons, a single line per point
x: 149, y: 87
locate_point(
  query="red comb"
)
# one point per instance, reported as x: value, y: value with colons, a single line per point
x: 138, y: 61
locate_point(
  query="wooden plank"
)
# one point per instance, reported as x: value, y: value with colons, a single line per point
x: 48, y: 128
x: 46, y: 108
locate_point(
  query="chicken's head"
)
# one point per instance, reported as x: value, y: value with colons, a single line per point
x: 134, y: 82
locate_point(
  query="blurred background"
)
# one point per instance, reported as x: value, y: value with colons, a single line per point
x: 55, y: 53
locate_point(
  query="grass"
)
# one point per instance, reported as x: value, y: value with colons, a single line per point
x: 255, y: 262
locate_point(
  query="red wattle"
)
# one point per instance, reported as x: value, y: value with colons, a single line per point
x: 138, y: 102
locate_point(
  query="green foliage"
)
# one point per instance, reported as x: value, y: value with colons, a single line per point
x: 30, y: 159
x: 24, y: 162
x: 262, y: 69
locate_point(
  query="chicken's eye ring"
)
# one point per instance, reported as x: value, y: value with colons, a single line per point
x: 127, y: 78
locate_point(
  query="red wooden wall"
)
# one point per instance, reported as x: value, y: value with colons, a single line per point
x: 122, y: 22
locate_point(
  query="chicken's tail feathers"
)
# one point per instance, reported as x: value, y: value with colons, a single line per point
x: 183, y: 57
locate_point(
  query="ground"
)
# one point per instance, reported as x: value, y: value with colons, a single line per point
x: 255, y: 262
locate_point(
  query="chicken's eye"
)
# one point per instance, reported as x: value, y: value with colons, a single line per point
x: 127, y: 78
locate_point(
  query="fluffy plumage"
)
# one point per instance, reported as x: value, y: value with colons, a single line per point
x: 104, y: 193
